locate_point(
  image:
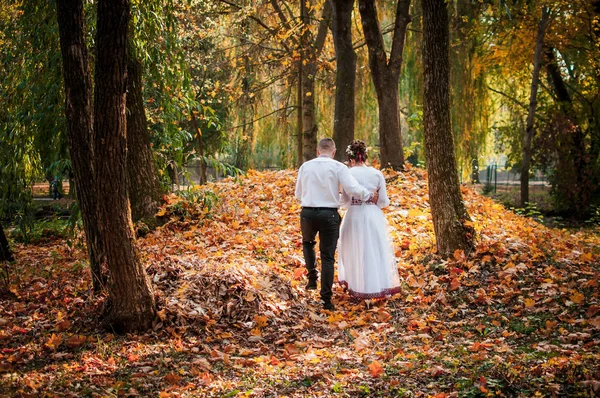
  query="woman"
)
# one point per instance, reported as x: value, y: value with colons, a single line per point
x: 367, y: 266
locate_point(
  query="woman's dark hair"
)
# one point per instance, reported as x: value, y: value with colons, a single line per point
x: 357, y: 151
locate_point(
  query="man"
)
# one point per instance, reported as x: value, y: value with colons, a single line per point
x: 317, y: 189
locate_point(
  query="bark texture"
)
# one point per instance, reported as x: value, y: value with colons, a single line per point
x: 529, y: 129
x: 79, y: 115
x: 131, y: 304
x: 386, y: 73
x: 5, y: 253
x: 450, y: 217
x: 142, y: 182
x: 573, y: 178
x: 345, y: 78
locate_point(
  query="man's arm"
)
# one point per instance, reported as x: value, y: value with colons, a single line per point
x: 298, y: 193
x: 351, y: 186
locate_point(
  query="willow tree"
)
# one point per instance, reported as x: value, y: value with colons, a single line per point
x: 385, y: 73
x: 450, y: 217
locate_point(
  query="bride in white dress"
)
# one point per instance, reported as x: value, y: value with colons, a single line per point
x: 367, y: 267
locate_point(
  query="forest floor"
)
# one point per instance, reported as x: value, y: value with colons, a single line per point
x: 520, y: 316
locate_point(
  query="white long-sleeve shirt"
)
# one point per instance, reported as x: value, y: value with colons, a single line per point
x: 319, y: 183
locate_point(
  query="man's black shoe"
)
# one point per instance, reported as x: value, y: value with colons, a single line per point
x: 311, y: 285
x: 328, y: 305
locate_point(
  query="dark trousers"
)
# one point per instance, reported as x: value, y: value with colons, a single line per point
x: 325, y: 222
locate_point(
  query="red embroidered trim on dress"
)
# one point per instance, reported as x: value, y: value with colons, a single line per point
x: 382, y: 294
x: 359, y: 202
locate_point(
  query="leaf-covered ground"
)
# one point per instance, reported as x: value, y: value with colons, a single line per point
x: 518, y: 317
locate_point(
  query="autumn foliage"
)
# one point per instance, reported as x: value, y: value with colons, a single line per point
x: 518, y: 316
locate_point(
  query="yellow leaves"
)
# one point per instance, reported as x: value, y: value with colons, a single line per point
x: 54, y: 341
x: 587, y: 257
x: 529, y: 302
x: 375, y: 369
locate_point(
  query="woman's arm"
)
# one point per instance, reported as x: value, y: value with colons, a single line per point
x: 383, y: 201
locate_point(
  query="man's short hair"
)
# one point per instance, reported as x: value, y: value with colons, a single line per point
x: 326, y: 145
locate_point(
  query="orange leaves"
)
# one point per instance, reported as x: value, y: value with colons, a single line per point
x: 454, y: 284
x: 299, y: 273
x: 260, y: 320
x: 459, y: 256
x: 577, y: 298
x: 375, y: 369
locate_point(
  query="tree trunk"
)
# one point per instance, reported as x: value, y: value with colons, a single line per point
x: 343, y: 124
x: 572, y: 149
x: 385, y: 74
x: 5, y: 253
x: 537, y: 63
x: 78, y: 110
x: 299, y: 130
x: 142, y: 183
x: 200, y: 148
x: 309, y: 120
x: 131, y: 304
x: 449, y: 214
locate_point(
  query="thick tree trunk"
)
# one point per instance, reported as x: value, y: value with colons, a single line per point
x: 142, y: 183
x: 78, y: 110
x: 343, y: 124
x: 309, y: 117
x: 5, y: 253
x: 449, y: 214
x: 131, y: 304
x: 385, y: 76
x: 537, y: 63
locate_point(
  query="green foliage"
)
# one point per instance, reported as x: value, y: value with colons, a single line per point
x: 43, y: 231
x: 531, y: 211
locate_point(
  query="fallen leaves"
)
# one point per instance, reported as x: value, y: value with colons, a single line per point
x: 234, y: 318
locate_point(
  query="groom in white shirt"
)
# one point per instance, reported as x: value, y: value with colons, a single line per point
x: 317, y: 189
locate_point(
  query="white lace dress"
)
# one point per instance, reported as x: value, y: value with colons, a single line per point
x: 367, y: 266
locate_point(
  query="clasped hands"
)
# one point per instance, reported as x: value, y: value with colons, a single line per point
x: 375, y: 197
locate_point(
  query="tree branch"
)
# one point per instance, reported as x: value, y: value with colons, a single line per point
x: 400, y: 25
x: 263, y: 117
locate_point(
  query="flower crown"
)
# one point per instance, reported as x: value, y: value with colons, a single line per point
x: 349, y: 151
